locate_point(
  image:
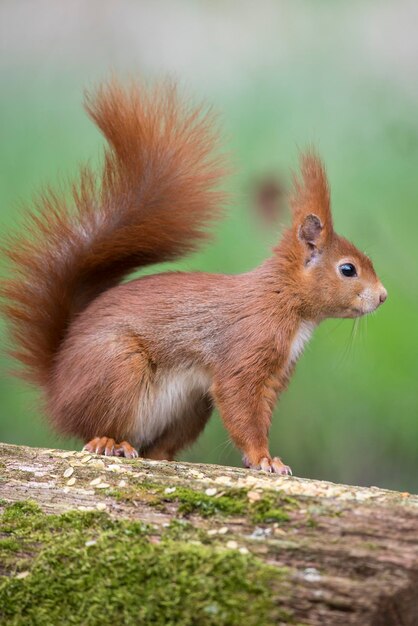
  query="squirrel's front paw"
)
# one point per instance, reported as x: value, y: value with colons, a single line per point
x: 270, y: 465
x: 109, y: 447
x: 274, y: 466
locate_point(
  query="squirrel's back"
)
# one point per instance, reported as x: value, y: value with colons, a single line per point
x: 152, y: 202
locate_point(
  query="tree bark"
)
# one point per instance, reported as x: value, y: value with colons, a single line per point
x: 350, y: 553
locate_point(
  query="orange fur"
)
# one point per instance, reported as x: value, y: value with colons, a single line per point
x: 146, y: 361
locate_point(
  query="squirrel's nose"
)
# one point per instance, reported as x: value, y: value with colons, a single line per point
x: 383, y: 295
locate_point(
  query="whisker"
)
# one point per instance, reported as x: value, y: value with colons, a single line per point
x: 334, y: 328
x: 221, y: 447
x: 356, y: 326
x: 365, y: 328
x: 350, y: 343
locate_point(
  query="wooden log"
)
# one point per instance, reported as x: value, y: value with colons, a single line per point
x: 145, y: 542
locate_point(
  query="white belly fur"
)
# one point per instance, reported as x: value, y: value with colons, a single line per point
x: 174, y: 393
x: 301, y: 338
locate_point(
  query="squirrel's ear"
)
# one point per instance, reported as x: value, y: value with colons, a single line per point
x: 310, y: 230
x: 310, y: 200
x: 310, y: 233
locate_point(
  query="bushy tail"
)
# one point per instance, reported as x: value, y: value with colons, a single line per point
x: 152, y: 202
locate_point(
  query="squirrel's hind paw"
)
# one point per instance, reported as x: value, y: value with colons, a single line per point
x: 109, y: 447
x: 271, y: 466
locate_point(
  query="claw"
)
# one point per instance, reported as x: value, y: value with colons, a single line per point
x: 108, y: 447
x: 266, y: 465
x: 273, y: 466
x: 128, y: 451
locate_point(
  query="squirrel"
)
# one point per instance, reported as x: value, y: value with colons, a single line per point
x: 136, y: 368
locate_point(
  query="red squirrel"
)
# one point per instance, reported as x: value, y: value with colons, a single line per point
x: 138, y: 367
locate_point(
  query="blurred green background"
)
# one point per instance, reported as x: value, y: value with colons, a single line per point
x: 283, y: 75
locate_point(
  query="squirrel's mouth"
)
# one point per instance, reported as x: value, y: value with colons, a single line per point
x: 369, y: 307
x: 357, y: 312
x: 371, y: 299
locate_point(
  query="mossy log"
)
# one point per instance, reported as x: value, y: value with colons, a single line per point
x: 93, y: 540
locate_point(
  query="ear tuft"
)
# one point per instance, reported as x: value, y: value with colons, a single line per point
x: 310, y: 229
x: 311, y: 194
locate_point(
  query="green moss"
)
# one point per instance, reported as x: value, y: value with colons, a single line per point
x: 190, y: 501
x: 85, y: 568
x: 234, y: 502
x: 180, y: 529
x: 19, y: 510
x: 266, y: 510
x: 144, y: 492
x: 272, y: 507
x: 311, y: 522
x: 9, y: 551
x: 8, y: 545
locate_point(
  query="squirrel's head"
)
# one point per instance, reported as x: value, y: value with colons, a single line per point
x: 334, y: 278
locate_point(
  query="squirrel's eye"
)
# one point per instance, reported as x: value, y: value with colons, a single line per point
x: 348, y: 269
